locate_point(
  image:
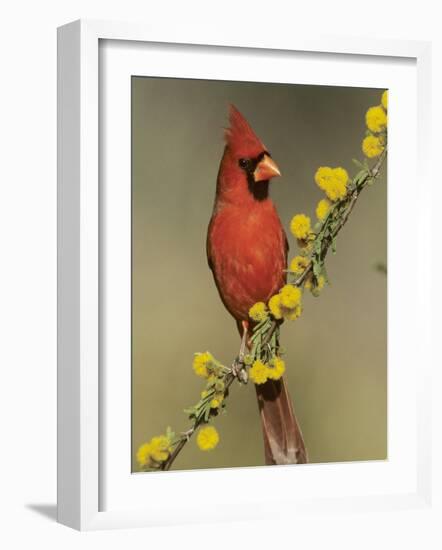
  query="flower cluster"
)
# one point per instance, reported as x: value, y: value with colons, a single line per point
x: 260, y: 372
x: 206, y: 366
x: 376, y: 120
x: 203, y: 364
x: 287, y: 303
x: 214, y: 392
x: 155, y: 452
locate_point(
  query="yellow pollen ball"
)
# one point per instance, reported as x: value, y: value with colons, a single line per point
x: 276, y: 368
x: 160, y: 448
x: 298, y: 264
x: 300, y: 226
x: 291, y: 314
x: 372, y: 146
x: 315, y: 287
x: 207, y: 438
x: 322, y: 209
x: 201, y: 363
x: 143, y: 454
x: 258, y: 312
x: 275, y: 306
x: 376, y: 119
x: 290, y: 296
x: 258, y: 372
x: 333, y: 181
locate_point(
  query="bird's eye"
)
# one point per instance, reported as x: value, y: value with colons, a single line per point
x: 244, y: 163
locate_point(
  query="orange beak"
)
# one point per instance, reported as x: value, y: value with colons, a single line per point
x: 266, y: 169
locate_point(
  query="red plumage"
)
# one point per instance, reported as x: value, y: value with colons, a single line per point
x: 246, y: 243
x: 247, y: 253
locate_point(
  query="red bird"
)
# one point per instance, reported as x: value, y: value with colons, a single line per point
x: 247, y: 253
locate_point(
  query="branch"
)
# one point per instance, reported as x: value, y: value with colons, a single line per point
x: 185, y: 436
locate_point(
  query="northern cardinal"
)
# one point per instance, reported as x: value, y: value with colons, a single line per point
x: 247, y: 253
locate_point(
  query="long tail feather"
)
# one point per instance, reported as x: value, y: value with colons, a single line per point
x: 283, y: 441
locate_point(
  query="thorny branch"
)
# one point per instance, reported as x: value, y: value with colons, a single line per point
x: 347, y: 205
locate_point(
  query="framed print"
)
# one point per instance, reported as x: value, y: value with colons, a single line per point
x: 231, y: 276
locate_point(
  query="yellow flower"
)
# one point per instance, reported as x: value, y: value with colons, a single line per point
x: 292, y: 313
x: 276, y: 368
x: 323, y: 176
x: 384, y: 100
x: 160, y: 448
x: 300, y: 226
x: 290, y: 296
x: 376, y: 119
x: 320, y: 283
x: 322, y: 209
x: 333, y: 181
x: 201, y: 363
x: 258, y: 312
x: 372, y: 146
x: 157, y: 450
x: 258, y: 372
x: 143, y: 454
x: 216, y: 401
x: 298, y: 264
x: 248, y: 359
x: 207, y: 438
x: 340, y: 175
x: 275, y: 306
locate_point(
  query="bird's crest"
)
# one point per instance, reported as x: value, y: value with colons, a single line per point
x: 240, y: 137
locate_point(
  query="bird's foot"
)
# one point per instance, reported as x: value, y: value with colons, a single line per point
x: 239, y: 370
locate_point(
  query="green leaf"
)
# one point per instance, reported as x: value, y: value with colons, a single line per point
x: 317, y: 269
x: 360, y: 177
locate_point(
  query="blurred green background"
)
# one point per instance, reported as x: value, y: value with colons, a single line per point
x: 336, y: 352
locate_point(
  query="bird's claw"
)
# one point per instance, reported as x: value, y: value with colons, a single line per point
x: 239, y: 370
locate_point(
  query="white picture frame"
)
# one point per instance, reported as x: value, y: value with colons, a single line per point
x: 79, y: 389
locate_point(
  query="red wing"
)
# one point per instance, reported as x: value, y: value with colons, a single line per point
x: 208, y: 245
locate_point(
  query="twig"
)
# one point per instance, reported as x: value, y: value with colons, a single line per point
x: 351, y: 200
x: 167, y: 464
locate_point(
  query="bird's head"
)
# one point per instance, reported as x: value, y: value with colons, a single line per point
x: 248, y: 153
